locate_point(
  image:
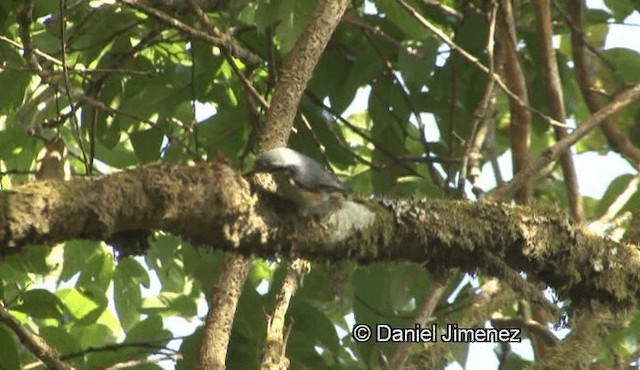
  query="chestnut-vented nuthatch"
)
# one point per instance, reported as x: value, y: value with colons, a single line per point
x: 301, y: 180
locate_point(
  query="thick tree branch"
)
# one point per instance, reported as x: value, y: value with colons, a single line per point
x: 211, y: 204
x: 197, y: 203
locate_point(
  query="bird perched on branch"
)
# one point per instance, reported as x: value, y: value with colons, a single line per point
x: 301, y: 181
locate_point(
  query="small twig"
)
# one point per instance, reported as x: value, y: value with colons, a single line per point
x: 25, y: 18
x: 143, y: 361
x: 617, y: 139
x: 315, y: 138
x: 352, y: 18
x: 147, y: 344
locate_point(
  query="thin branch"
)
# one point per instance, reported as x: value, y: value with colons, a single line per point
x: 292, y: 81
x: 362, y: 133
x: 296, y: 72
x: 316, y: 139
x: 433, y: 172
x: 578, y: 31
x: 88, y: 162
x: 447, y: 10
x: 143, y: 361
x: 34, y: 343
x: 83, y: 71
x: 492, y: 297
x: 473, y: 60
x: 422, y: 316
x: 273, y: 353
x: 222, y: 308
x: 555, y: 99
x: 24, y: 17
x: 617, y: 205
x: 153, y: 344
x: 222, y: 40
x: 520, y: 117
x: 352, y: 18
x: 617, y: 139
x: 472, y: 144
x: 620, y: 102
x: 34, y: 51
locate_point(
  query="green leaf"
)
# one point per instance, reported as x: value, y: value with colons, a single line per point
x: 11, y: 98
x: 385, y: 295
x: 621, y: 8
x: 147, y: 143
x: 97, y: 272
x: 75, y: 255
x: 127, y: 278
x: 416, y: 71
x: 12, y: 140
x: 170, y: 304
x: 93, y: 335
x: 165, y: 258
x: 616, y: 187
x: 78, y: 305
x: 626, y: 62
x: 270, y: 12
x: 190, y: 351
x: 59, y: 338
x: 150, y: 328
x: 409, y: 186
x: 30, y: 260
x: 40, y: 304
x: 224, y: 132
x: 98, y: 336
x: 118, y: 156
x: 400, y: 18
x: 10, y: 360
x: 460, y: 352
x: 313, y: 325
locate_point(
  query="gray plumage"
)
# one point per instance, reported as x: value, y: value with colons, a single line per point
x: 304, y: 171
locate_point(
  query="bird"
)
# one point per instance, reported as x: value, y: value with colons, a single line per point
x: 313, y: 190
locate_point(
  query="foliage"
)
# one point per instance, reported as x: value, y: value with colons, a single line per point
x: 130, y: 95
